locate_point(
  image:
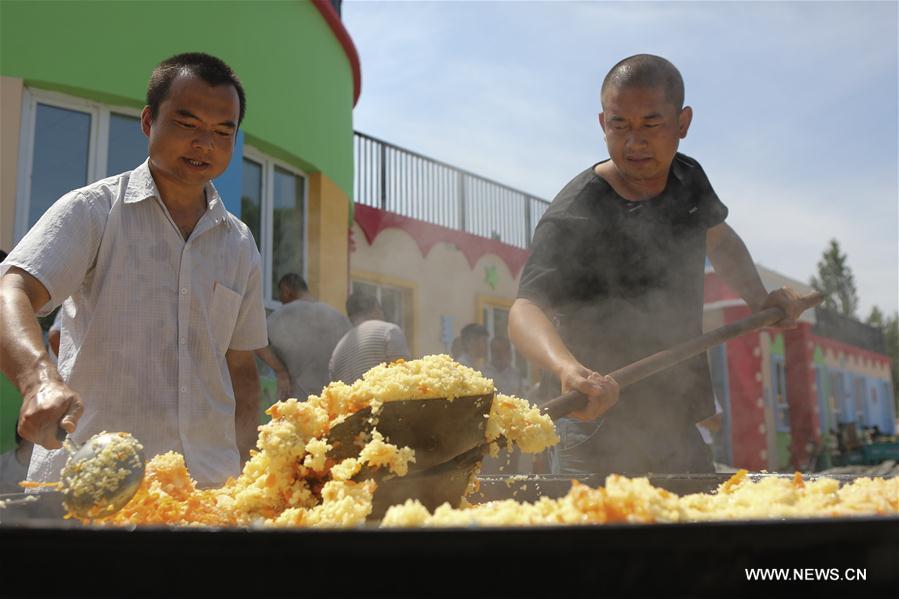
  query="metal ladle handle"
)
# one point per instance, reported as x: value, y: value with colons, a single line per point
x: 67, y: 441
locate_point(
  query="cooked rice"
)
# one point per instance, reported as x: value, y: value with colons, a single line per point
x: 289, y: 479
x: 634, y: 500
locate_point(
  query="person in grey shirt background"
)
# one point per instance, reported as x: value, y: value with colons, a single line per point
x: 370, y: 342
x: 302, y: 335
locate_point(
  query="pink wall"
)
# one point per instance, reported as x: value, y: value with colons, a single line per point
x: 748, y: 439
x: 801, y: 394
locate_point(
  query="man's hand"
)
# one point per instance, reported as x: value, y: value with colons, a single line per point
x: 247, y: 395
x: 283, y: 385
x: 789, y: 301
x: 50, y: 406
x: 47, y: 402
x: 601, y: 391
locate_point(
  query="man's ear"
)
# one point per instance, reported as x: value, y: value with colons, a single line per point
x: 602, y: 121
x: 683, y: 121
x: 146, y: 120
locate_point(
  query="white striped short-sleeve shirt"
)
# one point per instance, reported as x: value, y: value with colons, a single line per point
x: 148, y: 318
x: 365, y: 346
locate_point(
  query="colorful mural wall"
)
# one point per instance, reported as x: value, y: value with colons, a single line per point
x: 787, y: 394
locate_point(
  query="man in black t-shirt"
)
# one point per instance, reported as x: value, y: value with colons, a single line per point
x: 616, y: 273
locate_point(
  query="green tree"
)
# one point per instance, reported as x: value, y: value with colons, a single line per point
x: 875, y: 318
x: 836, y: 282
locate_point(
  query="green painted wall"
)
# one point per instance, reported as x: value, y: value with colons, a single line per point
x: 783, y: 450
x: 777, y: 346
x: 297, y: 77
x: 818, y: 357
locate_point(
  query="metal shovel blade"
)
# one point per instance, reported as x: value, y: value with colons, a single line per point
x: 437, y: 429
x: 432, y: 487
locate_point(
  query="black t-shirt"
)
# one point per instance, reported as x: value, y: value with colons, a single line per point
x: 625, y: 280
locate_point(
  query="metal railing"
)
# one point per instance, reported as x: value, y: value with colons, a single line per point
x: 404, y: 182
x: 834, y: 325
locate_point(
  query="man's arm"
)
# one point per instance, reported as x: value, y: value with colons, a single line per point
x: 47, y: 402
x: 536, y: 337
x: 247, y: 395
x: 732, y: 262
x: 281, y: 373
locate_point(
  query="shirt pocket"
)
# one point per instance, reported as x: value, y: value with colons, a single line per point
x: 223, y: 315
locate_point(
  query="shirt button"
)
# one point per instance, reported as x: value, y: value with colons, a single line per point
x: 184, y: 291
x: 184, y: 341
x: 183, y: 389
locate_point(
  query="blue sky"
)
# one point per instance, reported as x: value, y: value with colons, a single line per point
x: 795, y: 107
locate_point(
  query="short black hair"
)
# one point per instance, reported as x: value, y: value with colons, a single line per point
x: 294, y: 282
x: 473, y: 331
x: 360, y: 303
x: 647, y: 70
x: 210, y: 69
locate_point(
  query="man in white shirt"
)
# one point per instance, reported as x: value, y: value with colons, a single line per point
x: 370, y: 342
x: 302, y: 335
x: 165, y: 292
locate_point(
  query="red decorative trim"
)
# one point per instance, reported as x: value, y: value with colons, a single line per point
x: 333, y: 20
x: 373, y: 220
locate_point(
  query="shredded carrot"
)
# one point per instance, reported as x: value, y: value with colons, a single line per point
x: 27, y: 484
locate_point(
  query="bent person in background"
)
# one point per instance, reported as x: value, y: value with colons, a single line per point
x: 370, y: 342
x: 302, y: 335
x: 165, y: 291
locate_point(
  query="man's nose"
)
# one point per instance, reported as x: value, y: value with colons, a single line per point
x: 635, y: 138
x: 204, y: 140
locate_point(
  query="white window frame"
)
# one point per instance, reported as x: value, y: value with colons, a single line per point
x: 266, y: 224
x: 97, y: 149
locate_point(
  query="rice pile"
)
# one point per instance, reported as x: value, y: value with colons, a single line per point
x: 290, y: 481
x: 634, y: 500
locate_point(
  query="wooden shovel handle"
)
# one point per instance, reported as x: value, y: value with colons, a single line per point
x: 632, y: 373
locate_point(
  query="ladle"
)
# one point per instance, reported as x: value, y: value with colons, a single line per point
x: 99, y: 478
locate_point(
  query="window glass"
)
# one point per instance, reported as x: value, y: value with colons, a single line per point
x: 837, y: 392
x: 392, y: 304
x: 287, y: 226
x: 251, y: 199
x: 127, y: 144
x: 860, y: 411
x: 366, y: 288
x: 61, y: 146
x: 780, y: 397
